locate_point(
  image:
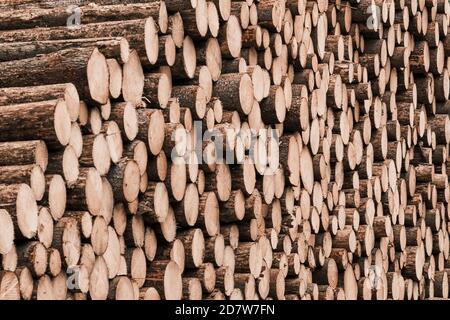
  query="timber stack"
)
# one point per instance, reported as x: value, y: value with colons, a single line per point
x: 222, y: 149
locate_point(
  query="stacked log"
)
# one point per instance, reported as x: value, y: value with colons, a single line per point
x: 219, y: 149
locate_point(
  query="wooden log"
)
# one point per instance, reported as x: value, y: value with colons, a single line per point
x: 151, y: 129
x: 230, y: 35
x: 7, y: 236
x: 87, y: 66
x: 110, y: 47
x: 67, y: 240
x: 57, y: 15
x: 124, y: 177
x: 52, y: 115
x: 227, y: 87
x: 33, y: 255
x: 32, y: 175
x: 24, y: 153
x: 9, y: 286
x: 185, y: 61
x: 22, y: 208
x: 66, y: 92
x: 194, y: 244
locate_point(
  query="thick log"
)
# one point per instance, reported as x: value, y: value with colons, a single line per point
x: 47, y: 120
x: 87, y: 67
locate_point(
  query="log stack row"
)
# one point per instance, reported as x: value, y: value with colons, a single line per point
x: 219, y: 149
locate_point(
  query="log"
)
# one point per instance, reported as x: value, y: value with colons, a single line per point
x: 151, y: 129
x: 124, y: 177
x: 110, y: 47
x: 22, y: 208
x: 67, y: 240
x: 154, y: 204
x: 53, y: 118
x: 235, y: 91
x: 24, y: 153
x: 57, y: 16
x: 86, y: 65
x: 7, y: 237
x: 33, y: 255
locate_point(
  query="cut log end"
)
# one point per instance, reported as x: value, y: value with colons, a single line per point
x: 246, y: 93
x: 151, y: 40
x: 173, y: 284
x: 234, y: 36
x: 27, y: 211
x: 7, y: 234
x: 131, y: 181
x: 156, y: 132
x: 98, y: 77
x: 62, y: 122
x: 189, y: 57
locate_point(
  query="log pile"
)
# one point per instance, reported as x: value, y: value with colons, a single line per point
x: 222, y: 149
